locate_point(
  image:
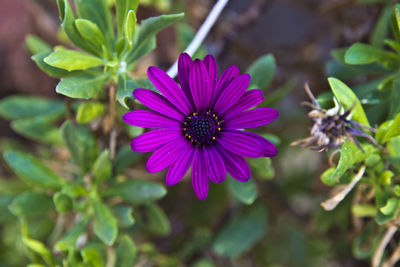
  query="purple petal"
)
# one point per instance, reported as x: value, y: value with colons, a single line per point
x: 200, y: 85
x: 226, y: 78
x: 199, y: 175
x: 184, y: 65
x: 231, y: 94
x: 216, y: 166
x: 157, y: 102
x: 178, y: 169
x: 169, y: 89
x: 149, y: 119
x: 152, y: 140
x: 212, y: 70
x: 247, y: 144
x: 236, y: 166
x: 251, y: 118
x: 248, y: 100
x: 167, y: 154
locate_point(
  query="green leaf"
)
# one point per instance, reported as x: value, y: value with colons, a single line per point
x: 92, y: 255
x: 262, y: 71
x: 125, y: 158
x: 276, y: 96
x: 102, y: 167
x: 40, y: 248
x: 241, y: 234
x: 348, y: 99
x: 126, y: 252
x: 381, y: 28
x: 72, y: 60
x: 140, y: 50
x: 151, y: 26
x: 395, y: 99
x: 134, y: 131
x: 387, y: 206
x: 97, y: 12
x: 328, y: 178
x: 50, y: 70
x: 391, y: 206
x: 129, y: 27
x: 74, y: 190
x: 88, y: 111
x: 395, y: 23
x: 30, y: 203
x: 104, y: 223
x: 393, y: 44
x: 155, y: 220
x: 37, y: 129
x: 123, y: 215
x: 68, y: 241
x: 262, y: 166
x: 367, y: 241
x: 36, y: 45
x: 350, y: 154
x: 81, y: 145
x: 382, y: 131
x: 122, y: 8
x: 364, y: 210
x: 20, y: 107
x: 396, y: 190
x: 244, y: 192
x: 136, y: 191
x: 68, y: 25
x: 393, y: 147
x: 5, y: 214
x: 90, y: 31
x: 32, y: 171
x: 148, y: 29
x: 126, y: 85
x: 84, y: 87
x: 394, y: 129
x: 359, y: 54
x: 373, y: 160
x: 62, y: 202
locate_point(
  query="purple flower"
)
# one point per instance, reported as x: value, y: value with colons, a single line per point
x: 196, y: 123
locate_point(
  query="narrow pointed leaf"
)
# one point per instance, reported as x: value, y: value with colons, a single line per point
x: 32, y: 171
x: 104, y: 223
x: 90, y: 31
x: 122, y: 9
x: 262, y: 71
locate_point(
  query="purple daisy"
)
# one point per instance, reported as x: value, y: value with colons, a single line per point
x: 196, y: 123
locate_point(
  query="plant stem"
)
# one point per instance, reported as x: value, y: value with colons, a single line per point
x: 109, y: 120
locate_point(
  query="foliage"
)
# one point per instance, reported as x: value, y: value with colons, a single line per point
x: 79, y: 202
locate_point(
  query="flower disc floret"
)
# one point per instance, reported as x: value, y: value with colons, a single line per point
x: 202, y: 129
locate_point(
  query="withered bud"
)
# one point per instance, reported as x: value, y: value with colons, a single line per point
x: 331, y: 127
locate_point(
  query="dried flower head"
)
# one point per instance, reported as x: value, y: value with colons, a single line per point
x: 331, y: 127
x: 197, y: 123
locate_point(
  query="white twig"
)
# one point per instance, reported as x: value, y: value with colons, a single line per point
x: 331, y: 203
x: 201, y: 34
x: 395, y: 257
x: 376, y: 259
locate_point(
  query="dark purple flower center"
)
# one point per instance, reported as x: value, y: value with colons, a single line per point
x: 202, y: 128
